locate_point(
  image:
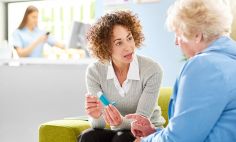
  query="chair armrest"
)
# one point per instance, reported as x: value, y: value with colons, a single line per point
x: 62, y: 130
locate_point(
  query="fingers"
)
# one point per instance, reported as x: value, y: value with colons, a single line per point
x: 91, y: 99
x: 105, y: 118
x: 91, y: 102
x: 114, y: 110
x: 113, y: 113
x: 90, y: 105
x: 136, y: 125
x: 138, y: 133
x: 137, y: 140
x: 142, y: 120
x: 108, y: 118
x: 90, y: 111
x: 134, y: 117
x: 134, y: 132
x: 93, y: 106
x: 112, y: 116
x: 142, y: 128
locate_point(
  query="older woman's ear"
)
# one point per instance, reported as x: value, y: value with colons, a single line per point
x: 198, y: 37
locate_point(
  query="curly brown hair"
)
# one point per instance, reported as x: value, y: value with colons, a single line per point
x: 99, y: 35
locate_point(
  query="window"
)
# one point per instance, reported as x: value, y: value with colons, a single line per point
x: 54, y: 16
x: 57, y: 17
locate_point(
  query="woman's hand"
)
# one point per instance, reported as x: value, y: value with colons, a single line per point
x: 42, y: 39
x: 93, y: 106
x: 137, y: 139
x: 112, y: 116
x: 141, y: 126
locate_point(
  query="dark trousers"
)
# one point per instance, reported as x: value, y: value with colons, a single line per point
x: 105, y: 135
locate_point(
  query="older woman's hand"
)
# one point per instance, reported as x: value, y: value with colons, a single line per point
x: 141, y: 126
x: 112, y: 116
x: 93, y: 106
x: 137, y: 139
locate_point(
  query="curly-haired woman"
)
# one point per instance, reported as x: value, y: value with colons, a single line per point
x: 132, y: 81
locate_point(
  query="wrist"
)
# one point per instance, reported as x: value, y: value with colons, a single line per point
x: 150, y: 131
x: 119, y: 123
x: 98, y: 116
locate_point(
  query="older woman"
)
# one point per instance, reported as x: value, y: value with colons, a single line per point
x: 130, y: 80
x: 203, y: 104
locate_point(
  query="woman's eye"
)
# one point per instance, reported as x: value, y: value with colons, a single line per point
x: 118, y: 43
x: 130, y: 38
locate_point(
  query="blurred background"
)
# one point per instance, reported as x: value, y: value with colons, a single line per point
x: 37, y: 90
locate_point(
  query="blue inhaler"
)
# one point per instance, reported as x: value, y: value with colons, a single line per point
x: 103, y: 99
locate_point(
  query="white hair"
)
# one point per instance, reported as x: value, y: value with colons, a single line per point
x: 210, y: 17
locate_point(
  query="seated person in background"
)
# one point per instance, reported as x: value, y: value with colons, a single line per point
x: 132, y: 81
x: 28, y: 39
x: 203, y: 105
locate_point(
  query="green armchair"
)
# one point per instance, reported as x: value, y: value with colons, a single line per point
x: 67, y: 130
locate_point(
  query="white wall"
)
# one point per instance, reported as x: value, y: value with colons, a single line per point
x: 2, y: 21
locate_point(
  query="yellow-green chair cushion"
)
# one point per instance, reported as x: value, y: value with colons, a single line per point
x: 62, y: 130
x: 67, y: 130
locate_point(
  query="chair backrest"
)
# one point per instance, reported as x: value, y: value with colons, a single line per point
x: 163, y: 101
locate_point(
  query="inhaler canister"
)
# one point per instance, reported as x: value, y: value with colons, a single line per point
x: 103, y: 99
